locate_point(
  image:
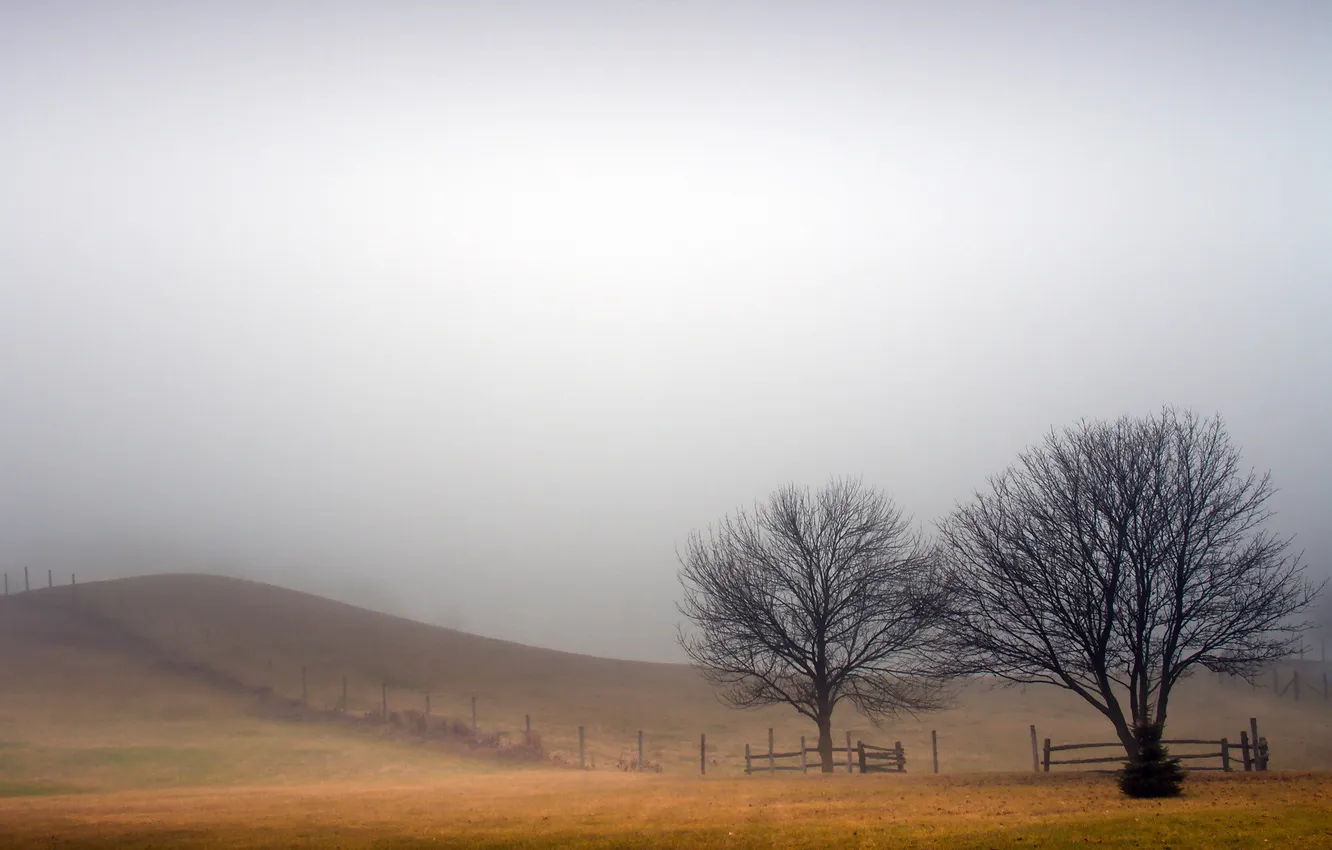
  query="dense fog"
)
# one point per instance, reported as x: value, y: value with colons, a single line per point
x: 472, y: 312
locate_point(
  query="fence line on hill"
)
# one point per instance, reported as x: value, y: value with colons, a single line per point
x: 861, y: 756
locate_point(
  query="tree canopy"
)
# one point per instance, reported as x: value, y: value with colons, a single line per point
x: 1117, y: 557
x: 813, y: 598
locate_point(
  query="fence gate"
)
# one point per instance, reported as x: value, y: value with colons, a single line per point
x: 867, y: 758
x: 881, y: 759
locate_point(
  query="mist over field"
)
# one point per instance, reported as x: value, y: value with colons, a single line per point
x: 472, y: 312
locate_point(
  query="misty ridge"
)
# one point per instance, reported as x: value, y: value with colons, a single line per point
x: 478, y: 333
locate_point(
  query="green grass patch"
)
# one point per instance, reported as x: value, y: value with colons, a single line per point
x: 1286, y: 826
x: 35, y: 789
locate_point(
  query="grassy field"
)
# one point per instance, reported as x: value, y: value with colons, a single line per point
x: 563, y: 809
x: 128, y: 717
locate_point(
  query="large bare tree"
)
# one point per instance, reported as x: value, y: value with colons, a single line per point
x: 1117, y: 557
x: 816, y: 597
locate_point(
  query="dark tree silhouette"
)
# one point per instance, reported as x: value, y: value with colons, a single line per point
x: 814, y: 598
x: 1153, y: 773
x: 1116, y: 558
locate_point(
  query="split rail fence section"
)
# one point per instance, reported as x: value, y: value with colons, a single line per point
x: 1253, y: 752
x: 1294, y: 685
x: 866, y: 758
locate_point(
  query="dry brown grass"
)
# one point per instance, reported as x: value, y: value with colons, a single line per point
x: 611, y: 809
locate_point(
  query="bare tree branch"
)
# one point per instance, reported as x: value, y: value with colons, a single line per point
x: 814, y: 598
x: 1117, y: 557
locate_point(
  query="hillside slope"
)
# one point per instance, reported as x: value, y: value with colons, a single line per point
x: 263, y: 635
x: 119, y: 647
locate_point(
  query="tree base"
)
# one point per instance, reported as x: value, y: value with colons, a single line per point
x: 1153, y: 773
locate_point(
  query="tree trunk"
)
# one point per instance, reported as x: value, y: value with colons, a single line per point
x: 1115, y: 713
x: 1126, y: 738
x: 825, y: 740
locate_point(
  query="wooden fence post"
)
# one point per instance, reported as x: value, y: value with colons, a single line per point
x: 703, y: 754
x: 50, y: 582
x: 1253, y: 742
x: 1295, y: 680
x: 27, y: 588
x: 1225, y: 755
x: 934, y: 748
x: 1035, y: 755
x: 527, y: 730
x: 772, y: 762
x: 849, y: 762
x: 748, y: 768
x: 1047, y: 755
x: 901, y: 756
x: 860, y: 750
x: 582, y: 750
x: 1244, y: 751
x: 640, y: 749
x: 804, y: 764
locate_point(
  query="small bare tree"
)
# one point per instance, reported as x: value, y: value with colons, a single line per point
x: 1117, y: 557
x: 814, y: 598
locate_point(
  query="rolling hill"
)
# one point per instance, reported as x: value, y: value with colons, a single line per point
x: 168, y: 664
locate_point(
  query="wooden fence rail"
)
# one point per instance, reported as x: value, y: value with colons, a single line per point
x: 1223, y: 754
x: 1299, y: 684
x: 882, y: 759
x: 866, y: 758
x: 1252, y: 749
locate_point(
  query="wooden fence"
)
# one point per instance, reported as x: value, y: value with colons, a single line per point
x: 867, y: 758
x: 882, y: 759
x: 1297, y: 681
x: 1252, y: 748
x: 1254, y: 757
x: 1294, y: 685
x: 1223, y: 754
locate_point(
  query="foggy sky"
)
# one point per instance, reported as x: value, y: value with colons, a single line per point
x: 473, y: 311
